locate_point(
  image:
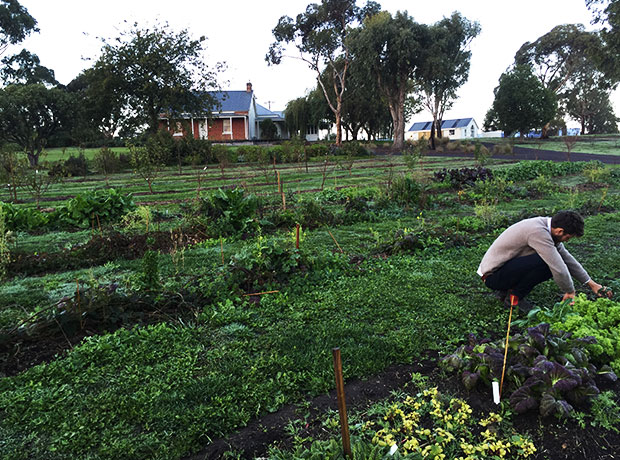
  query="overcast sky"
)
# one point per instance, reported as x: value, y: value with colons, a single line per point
x: 239, y: 34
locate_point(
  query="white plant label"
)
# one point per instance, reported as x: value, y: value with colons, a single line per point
x: 495, y: 386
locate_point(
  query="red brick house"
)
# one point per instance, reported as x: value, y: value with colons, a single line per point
x: 236, y: 120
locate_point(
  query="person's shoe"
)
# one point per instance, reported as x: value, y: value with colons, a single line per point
x: 500, y: 295
x: 523, y: 305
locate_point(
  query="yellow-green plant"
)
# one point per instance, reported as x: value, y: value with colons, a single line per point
x: 432, y: 425
x: 5, y: 253
x: 596, y: 172
x: 487, y: 212
x: 139, y: 218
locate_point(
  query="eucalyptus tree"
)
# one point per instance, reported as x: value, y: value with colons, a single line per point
x: 446, y: 68
x: 320, y: 35
x: 392, y: 49
x: 155, y: 70
x: 588, y: 102
x: 363, y: 106
x: 103, y: 105
x: 23, y: 68
x: 607, y: 15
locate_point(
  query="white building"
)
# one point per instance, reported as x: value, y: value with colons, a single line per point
x: 461, y: 128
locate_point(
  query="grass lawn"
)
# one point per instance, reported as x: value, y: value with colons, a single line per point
x: 595, y: 144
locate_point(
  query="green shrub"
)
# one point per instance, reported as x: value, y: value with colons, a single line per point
x: 230, y: 211
x: 269, y: 260
x: 596, y: 172
x: 528, y: 170
x: 72, y: 167
x: 405, y: 191
x: 293, y: 151
x: 354, y: 149
x: 310, y: 214
x: 18, y: 218
x: 95, y: 207
x: 106, y: 161
x: 317, y: 150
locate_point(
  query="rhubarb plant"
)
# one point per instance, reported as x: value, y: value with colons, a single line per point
x: 545, y: 370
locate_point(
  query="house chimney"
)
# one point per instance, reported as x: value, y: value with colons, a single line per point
x: 249, y: 87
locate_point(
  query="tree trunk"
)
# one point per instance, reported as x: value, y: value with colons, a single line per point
x: 433, y: 135
x: 33, y: 157
x: 338, y: 114
x: 545, y: 131
x: 397, y: 111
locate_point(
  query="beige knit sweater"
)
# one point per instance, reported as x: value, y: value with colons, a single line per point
x: 530, y: 236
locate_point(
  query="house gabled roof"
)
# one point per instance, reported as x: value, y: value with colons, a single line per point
x: 233, y: 101
x: 262, y: 113
x: 445, y: 124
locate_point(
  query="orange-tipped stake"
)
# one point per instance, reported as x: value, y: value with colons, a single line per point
x: 513, y: 301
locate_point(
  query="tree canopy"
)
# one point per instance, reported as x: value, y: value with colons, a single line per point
x: 607, y: 15
x: 392, y: 49
x: 149, y: 71
x: 447, y: 67
x: 570, y: 61
x: 25, y: 68
x: 15, y: 24
x: 557, y: 55
x: 521, y: 103
x: 319, y: 34
x: 31, y: 114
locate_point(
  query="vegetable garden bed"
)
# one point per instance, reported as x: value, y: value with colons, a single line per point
x: 164, y: 343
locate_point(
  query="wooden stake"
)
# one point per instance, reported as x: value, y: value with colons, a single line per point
x: 279, y: 184
x: 330, y: 234
x: 222, y: 249
x: 342, y: 406
x: 79, y: 307
x: 297, y: 237
x: 260, y: 293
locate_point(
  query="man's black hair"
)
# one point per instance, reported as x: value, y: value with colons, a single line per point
x: 570, y: 221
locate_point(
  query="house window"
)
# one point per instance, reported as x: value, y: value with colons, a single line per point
x: 472, y: 131
x: 311, y: 130
x: 451, y: 132
x: 226, y: 126
x: 178, y: 129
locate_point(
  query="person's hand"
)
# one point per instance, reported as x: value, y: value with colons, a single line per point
x: 600, y: 290
x: 569, y: 295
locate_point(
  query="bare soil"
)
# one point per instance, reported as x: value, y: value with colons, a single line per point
x: 554, y: 440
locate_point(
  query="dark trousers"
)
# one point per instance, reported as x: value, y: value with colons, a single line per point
x: 520, y: 275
